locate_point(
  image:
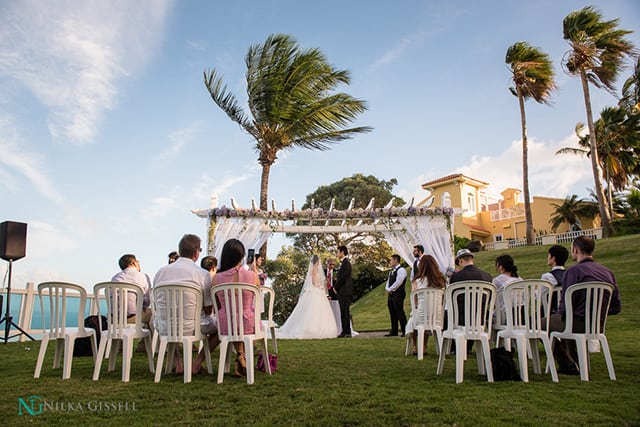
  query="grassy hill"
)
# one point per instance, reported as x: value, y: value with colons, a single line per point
x: 619, y: 254
x: 353, y: 382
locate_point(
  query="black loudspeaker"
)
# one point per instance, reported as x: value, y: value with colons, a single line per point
x: 13, y: 240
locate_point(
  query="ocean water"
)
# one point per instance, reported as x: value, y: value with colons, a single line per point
x: 73, y: 305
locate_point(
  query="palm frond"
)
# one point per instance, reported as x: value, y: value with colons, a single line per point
x: 598, y: 47
x: 532, y: 72
x: 226, y: 100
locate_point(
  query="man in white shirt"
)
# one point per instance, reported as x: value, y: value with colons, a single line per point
x: 396, y: 294
x: 556, y: 258
x: 185, y: 270
x: 131, y: 274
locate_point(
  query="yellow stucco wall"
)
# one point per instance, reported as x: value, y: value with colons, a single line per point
x: 478, y: 225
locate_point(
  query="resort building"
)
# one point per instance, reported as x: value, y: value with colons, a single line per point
x: 490, y: 220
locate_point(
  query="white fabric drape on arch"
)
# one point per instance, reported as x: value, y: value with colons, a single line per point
x: 429, y: 231
x: 249, y: 231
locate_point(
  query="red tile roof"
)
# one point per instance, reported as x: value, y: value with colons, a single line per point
x: 449, y: 178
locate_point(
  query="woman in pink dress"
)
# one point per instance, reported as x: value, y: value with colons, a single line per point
x: 231, y: 271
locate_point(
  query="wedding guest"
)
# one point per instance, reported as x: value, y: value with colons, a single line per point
x: 131, y: 273
x: 208, y: 325
x: 185, y: 270
x: 173, y: 256
x: 428, y: 275
x: 209, y: 263
x: 556, y: 258
x: 344, y: 289
x: 231, y: 271
x: 256, y: 267
x: 586, y: 270
x: 330, y: 274
x: 418, y: 251
x: 508, y: 274
x: 395, y: 296
x: 467, y: 271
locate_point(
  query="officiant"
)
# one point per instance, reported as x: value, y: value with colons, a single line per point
x: 330, y: 274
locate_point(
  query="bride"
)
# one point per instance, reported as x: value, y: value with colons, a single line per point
x: 312, y: 318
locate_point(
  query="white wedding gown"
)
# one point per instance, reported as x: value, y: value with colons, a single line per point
x: 312, y: 317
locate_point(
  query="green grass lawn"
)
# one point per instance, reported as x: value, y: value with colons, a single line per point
x: 362, y: 381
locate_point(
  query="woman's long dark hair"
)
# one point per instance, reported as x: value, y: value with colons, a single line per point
x: 428, y: 267
x: 232, y: 253
x: 507, y: 262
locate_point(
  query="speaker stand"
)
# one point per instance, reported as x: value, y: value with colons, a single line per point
x: 8, y: 319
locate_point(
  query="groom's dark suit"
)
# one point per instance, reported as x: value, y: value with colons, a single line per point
x: 344, y: 288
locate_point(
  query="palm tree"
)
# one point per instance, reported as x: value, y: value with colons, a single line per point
x: 570, y: 211
x: 630, y: 100
x: 618, y: 136
x: 532, y: 75
x: 597, y: 51
x: 292, y: 101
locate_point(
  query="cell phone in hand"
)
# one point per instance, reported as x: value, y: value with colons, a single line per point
x: 250, y: 255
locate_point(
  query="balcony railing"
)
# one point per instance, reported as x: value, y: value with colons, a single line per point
x: 547, y: 239
x: 507, y: 213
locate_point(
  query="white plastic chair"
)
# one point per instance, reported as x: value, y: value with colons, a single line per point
x: 478, y: 298
x: 597, y: 297
x: 268, y: 323
x: 231, y: 295
x: 427, y: 317
x: 118, y: 330
x: 59, y: 294
x: 525, y: 303
x: 178, y: 307
x: 556, y: 293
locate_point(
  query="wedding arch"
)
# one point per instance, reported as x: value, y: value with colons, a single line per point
x: 402, y: 227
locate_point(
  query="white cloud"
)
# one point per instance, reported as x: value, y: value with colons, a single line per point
x: 550, y: 175
x: 71, y: 54
x: 199, y: 45
x: 26, y: 163
x: 398, y: 50
x: 179, y: 139
x: 160, y: 206
x: 46, y: 240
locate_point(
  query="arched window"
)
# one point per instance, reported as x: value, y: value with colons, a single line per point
x: 471, y: 202
x: 446, y: 200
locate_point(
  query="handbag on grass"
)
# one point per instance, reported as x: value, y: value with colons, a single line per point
x: 273, y: 362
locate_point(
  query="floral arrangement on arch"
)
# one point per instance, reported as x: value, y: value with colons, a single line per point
x: 319, y: 213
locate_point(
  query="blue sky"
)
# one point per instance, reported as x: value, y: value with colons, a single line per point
x: 108, y: 137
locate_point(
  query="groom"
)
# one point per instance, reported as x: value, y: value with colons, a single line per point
x: 344, y: 289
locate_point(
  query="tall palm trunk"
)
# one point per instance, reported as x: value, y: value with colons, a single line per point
x: 264, y: 186
x: 264, y: 192
x: 525, y: 170
x: 605, y: 216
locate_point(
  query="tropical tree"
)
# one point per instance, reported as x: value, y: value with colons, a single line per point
x: 339, y: 194
x: 618, y: 136
x: 598, y: 49
x: 630, y: 100
x: 570, y: 211
x: 532, y: 74
x: 292, y: 102
x: 369, y: 252
x: 633, y: 201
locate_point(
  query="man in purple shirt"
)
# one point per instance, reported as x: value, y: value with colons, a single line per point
x: 586, y: 270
